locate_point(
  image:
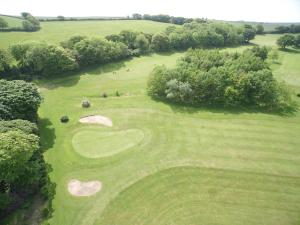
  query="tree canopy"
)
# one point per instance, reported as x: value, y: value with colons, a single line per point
x: 220, y: 79
x: 18, y: 100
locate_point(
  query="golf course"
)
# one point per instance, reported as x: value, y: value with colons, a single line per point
x: 130, y: 159
x: 167, y: 164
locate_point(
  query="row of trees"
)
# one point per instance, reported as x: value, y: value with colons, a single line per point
x: 23, y: 171
x: 289, y: 40
x: 220, y: 79
x: 293, y: 28
x: 46, y: 60
x: 162, y: 18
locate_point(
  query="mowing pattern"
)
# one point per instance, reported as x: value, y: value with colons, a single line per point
x: 206, y: 196
x: 180, y: 166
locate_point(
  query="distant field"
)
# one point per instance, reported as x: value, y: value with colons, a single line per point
x: 55, y: 32
x: 12, y: 21
x: 267, y: 26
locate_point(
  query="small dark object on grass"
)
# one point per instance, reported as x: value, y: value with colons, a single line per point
x: 298, y: 95
x: 64, y: 119
x: 128, y: 70
x: 104, y: 95
x: 117, y: 94
x: 86, y: 104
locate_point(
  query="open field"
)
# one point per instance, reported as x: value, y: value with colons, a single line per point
x: 55, y: 32
x: 165, y: 164
x: 12, y: 21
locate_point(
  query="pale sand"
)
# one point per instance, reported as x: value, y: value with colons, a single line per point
x: 96, y: 120
x: 78, y: 188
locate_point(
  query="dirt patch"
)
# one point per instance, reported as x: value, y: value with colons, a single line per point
x: 78, y: 188
x: 96, y: 120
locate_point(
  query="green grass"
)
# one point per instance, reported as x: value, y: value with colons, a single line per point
x: 12, y: 21
x: 192, y: 166
x: 55, y: 32
x: 95, y: 143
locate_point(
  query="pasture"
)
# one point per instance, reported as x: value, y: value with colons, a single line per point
x: 55, y: 32
x: 165, y: 164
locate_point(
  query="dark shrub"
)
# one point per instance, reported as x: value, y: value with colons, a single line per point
x: 104, y: 95
x: 298, y: 95
x: 64, y: 119
x: 86, y: 104
x: 117, y: 93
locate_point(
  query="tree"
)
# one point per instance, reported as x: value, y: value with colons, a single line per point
x: 98, y: 50
x: 142, y: 43
x: 72, y: 41
x: 179, y: 91
x: 160, y: 42
x: 261, y: 52
x: 61, y: 18
x: 3, y: 23
x: 43, y: 59
x: 5, y: 60
x: 16, y: 148
x: 259, y: 29
x: 19, y: 100
x: 297, y: 41
x: 30, y: 23
x: 286, y: 40
x: 248, y: 33
x: 137, y: 16
x: 18, y: 125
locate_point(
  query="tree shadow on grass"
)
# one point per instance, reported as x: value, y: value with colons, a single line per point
x: 290, y: 50
x: 47, y: 139
x: 184, y: 108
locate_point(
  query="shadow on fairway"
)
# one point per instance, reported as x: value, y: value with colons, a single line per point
x: 184, y: 108
x: 290, y: 50
x: 47, y: 140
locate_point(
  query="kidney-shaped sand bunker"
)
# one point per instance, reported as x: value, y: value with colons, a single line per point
x: 94, y: 143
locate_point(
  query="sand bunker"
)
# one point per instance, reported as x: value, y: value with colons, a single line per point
x: 78, y: 188
x: 96, y: 120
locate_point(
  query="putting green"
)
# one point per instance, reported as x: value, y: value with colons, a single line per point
x: 93, y: 143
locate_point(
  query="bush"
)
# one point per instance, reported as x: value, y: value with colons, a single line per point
x: 64, y: 119
x: 298, y: 95
x: 86, y: 104
x: 117, y: 94
x: 104, y: 95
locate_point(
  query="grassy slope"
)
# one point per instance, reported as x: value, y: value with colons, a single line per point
x: 55, y: 32
x: 227, y: 167
x: 12, y: 21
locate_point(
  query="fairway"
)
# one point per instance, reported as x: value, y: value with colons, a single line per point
x: 55, y: 32
x: 165, y: 164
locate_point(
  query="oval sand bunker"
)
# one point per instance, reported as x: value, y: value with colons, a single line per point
x: 96, y: 120
x: 78, y: 188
